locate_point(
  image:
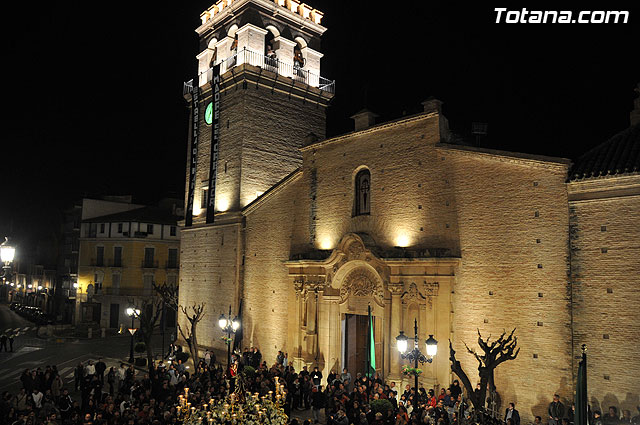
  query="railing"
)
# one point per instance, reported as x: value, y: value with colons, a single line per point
x: 102, y: 263
x: 149, y: 264
x: 115, y: 263
x: 268, y: 63
x: 97, y: 262
x: 171, y: 264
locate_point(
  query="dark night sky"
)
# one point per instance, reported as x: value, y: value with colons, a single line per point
x: 93, y: 90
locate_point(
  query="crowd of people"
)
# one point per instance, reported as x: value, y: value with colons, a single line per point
x: 127, y: 396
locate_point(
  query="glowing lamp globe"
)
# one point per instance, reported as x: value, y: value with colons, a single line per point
x: 7, y: 252
x: 222, y: 321
x: 432, y: 346
x: 235, y: 324
x: 401, y: 342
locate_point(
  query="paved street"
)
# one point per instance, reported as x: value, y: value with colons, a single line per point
x: 31, y: 351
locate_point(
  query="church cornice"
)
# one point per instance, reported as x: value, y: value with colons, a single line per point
x: 270, y: 7
x: 373, y: 129
x: 540, y: 161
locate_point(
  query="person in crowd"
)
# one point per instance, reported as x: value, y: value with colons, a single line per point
x: 512, y: 413
x: 316, y: 376
x: 612, y: 417
x: 555, y: 410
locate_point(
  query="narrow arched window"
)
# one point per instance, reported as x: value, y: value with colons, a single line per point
x: 363, y: 193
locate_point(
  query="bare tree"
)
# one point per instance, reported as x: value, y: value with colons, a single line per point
x: 190, y: 337
x: 169, y: 294
x: 494, y: 353
x: 150, y: 311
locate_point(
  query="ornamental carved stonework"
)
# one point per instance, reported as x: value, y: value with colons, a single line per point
x: 430, y: 289
x: 355, y: 251
x: 412, y: 293
x: 308, y: 282
x: 361, y: 283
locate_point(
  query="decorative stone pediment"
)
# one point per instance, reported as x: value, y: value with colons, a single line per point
x: 361, y: 282
x: 352, y: 250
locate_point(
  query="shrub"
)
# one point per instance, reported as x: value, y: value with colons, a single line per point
x: 140, y: 347
x: 382, y: 406
x: 249, y: 371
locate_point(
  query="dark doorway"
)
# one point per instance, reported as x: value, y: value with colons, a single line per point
x: 91, y: 312
x: 114, y: 315
x: 356, y: 333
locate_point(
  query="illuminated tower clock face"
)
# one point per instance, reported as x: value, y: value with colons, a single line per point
x: 208, y: 113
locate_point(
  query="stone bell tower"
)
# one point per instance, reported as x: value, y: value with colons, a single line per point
x: 258, y: 97
x: 272, y: 96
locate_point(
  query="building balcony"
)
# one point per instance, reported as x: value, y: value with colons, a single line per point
x: 171, y: 265
x: 280, y: 67
x: 149, y: 264
x: 97, y: 262
x: 127, y: 292
x: 115, y: 264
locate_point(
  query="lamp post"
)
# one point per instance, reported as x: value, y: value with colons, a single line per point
x: 229, y: 326
x: 132, y: 312
x: 7, y: 252
x: 416, y: 355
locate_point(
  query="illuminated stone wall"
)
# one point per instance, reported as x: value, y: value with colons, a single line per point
x: 480, y: 206
x: 513, y: 225
x: 260, y: 136
x: 505, y: 218
x: 605, y: 223
x: 267, y: 290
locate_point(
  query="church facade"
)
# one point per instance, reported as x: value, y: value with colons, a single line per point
x: 305, y: 234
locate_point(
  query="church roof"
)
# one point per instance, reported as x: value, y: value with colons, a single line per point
x: 618, y: 155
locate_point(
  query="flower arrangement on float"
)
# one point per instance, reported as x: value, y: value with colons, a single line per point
x: 238, y: 408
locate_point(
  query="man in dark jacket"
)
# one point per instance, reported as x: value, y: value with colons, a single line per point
x: 556, y: 411
x: 100, y: 368
x: 317, y: 402
x: 316, y: 376
x: 512, y: 413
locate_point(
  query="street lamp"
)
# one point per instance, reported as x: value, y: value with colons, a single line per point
x: 7, y: 252
x: 132, y: 312
x: 415, y: 355
x: 229, y: 326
